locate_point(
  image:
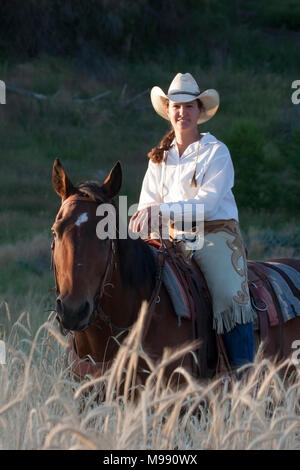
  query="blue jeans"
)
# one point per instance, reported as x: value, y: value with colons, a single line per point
x: 239, y: 344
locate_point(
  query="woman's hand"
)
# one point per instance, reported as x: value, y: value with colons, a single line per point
x: 146, y: 221
x: 139, y: 220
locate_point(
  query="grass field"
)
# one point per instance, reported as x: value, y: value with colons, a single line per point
x: 42, y: 407
x: 248, y: 51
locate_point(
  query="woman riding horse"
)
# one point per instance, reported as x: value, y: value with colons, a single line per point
x: 102, y: 283
x: 189, y: 167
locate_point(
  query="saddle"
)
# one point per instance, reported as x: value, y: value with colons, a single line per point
x: 274, y: 288
x: 263, y: 298
x: 197, y: 307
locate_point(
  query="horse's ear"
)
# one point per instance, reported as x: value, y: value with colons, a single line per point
x: 113, y: 182
x: 61, y: 183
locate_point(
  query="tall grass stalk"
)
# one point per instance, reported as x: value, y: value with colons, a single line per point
x: 42, y: 406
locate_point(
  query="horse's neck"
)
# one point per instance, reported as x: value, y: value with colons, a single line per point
x: 121, y: 303
x: 132, y: 281
x: 137, y: 267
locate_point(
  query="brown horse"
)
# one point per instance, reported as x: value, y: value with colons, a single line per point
x: 101, y: 284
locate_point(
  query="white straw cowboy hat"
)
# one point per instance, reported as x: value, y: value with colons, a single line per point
x: 183, y: 89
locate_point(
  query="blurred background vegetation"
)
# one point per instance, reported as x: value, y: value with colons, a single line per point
x: 93, y: 63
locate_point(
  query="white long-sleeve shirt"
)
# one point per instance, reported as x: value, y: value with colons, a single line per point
x: 169, y: 182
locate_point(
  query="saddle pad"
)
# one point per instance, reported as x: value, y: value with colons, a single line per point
x: 175, y: 290
x: 285, y: 281
x: 262, y: 301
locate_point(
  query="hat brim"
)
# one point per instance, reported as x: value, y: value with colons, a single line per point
x: 210, y: 99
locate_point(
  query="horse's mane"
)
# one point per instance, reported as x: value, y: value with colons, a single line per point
x: 137, y: 263
x: 93, y: 190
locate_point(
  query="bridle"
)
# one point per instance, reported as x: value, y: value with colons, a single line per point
x: 106, y: 280
x: 108, y: 273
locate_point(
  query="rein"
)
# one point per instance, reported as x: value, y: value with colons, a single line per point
x: 98, y: 310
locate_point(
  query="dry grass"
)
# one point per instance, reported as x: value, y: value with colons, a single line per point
x: 265, y: 243
x: 43, y: 407
x: 38, y: 248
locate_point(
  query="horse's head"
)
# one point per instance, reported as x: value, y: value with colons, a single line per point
x: 80, y: 258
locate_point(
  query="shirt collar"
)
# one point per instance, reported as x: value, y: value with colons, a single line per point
x: 207, y: 138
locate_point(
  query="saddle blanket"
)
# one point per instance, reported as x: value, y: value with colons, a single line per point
x: 285, y: 281
x: 283, y: 278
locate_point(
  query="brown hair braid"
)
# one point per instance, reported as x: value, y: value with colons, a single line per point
x: 156, y: 155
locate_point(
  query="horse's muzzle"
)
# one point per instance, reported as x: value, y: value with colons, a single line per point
x: 71, y: 318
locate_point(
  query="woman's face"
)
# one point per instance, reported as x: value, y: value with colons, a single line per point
x: 184, y: 116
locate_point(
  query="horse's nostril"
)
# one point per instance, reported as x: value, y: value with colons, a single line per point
x: 86, y: 309
x: 73, y: 317
x: 59, y: 307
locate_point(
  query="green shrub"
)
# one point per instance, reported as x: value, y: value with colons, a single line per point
x: 246, y: 142
x: 279, y: 14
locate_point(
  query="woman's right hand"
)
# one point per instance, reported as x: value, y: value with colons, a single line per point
x: 139, y: 220
x: 146, y: 221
